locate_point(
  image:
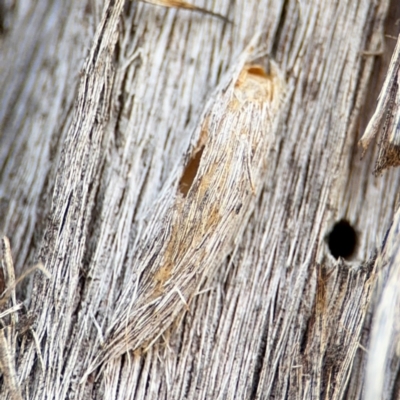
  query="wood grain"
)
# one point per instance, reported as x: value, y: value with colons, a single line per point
x: 98, y: 102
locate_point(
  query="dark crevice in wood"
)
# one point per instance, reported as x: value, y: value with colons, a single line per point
x: 259, y: 363
x: 280, y: 29
x: 190, y: 172
x: 342, y: 240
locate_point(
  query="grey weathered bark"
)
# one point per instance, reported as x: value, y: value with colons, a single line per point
x: 98, y: 105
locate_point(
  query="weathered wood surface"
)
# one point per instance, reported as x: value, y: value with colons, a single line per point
x: 386, y: 118
x: 99, y: 102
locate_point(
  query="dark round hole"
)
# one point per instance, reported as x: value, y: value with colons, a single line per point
x: 342, y: 240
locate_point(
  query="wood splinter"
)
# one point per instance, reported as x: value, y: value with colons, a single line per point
x: 386, y: 119
x: 9, y: 323
x: 186, y: 6
x: 7, y: 330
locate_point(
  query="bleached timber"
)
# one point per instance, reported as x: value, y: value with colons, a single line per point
x: 98, y: 102
x: 386, y: 118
